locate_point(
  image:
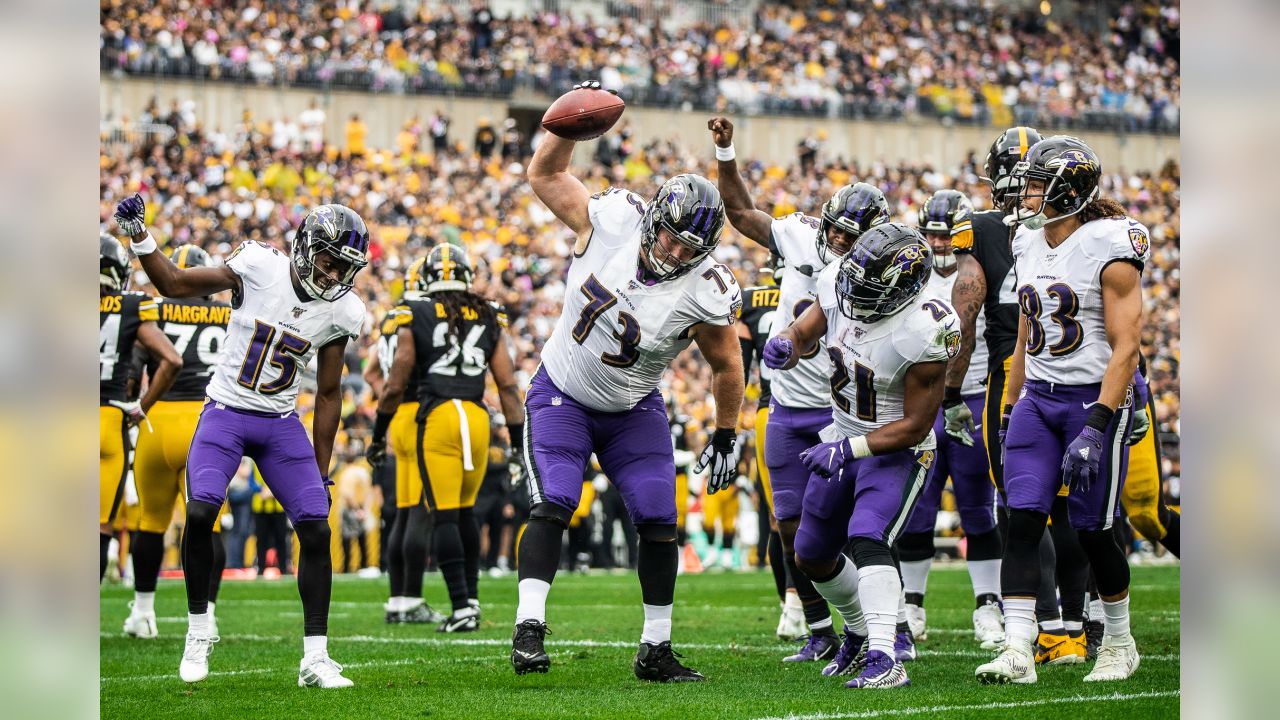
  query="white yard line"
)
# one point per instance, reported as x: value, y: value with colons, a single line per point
x: 925, y: 710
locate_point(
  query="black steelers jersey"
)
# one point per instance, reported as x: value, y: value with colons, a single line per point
x: 449, y: 366
x: 388, y: 340
x: 989, y: 245
x: 198, y: 329
x: 119, y: 317
x: 758, y: 306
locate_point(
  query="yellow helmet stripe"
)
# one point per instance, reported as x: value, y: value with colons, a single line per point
x: 181, y: 260
x: 1022, y: 142
x: 446, y: 269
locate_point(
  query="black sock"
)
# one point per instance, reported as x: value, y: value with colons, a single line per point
x: 1172, y: 540
x: 727, y: 542
x: 197, y: 554
x: 778, y: 565
x: 219, y: 564
x: 446, y: 545
x: 656, y: 566
x: 1020, y: 570
x: 470, y: 532
x: 1047, y: 589
x: 902, y: 627
x: 1072, y: 565
x: 682, y: 537
x: 816, y: 611
x: 148, y: 554
x: 914, y: 598
x: 315, y: 575
x: 986, y: 599
x: 394, y: 552
x: 104, y: 544
x: 416, y: 537
x: 539, y: 553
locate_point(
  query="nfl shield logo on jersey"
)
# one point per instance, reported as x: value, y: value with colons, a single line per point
x: 1138, y: 238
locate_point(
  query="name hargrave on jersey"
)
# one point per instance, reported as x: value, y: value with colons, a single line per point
x: 274, y: 334
x: 616, y: 336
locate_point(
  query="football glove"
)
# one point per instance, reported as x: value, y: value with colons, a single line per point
x: 129, y: 215
x: 376, y: 453
x: 1081, y: 461
x: 133, y: 413
x: 1141, y: 424
x: 1004, y: 429
x: 957, y: 420
x: 828, y: 459
x: 720, y: 457
x: 777, y: 352
x: 592, y: 85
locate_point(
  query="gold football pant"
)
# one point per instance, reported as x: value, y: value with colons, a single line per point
x: 762, y: 468
x: 113, y: 451
x: 160, y: 462
x: 402, y: 437
x: 722, y: 506
x: 1142, y: 495
x: 453, y: 452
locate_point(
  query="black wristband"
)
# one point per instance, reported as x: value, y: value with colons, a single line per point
x: 724, y: 438
x: 516, y: 433
x: 381, y: 424
x: 951, y: 397
x: 1099, y: 417
x: 1005, y: 415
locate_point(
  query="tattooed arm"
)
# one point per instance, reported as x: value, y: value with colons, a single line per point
x: 966, y: 296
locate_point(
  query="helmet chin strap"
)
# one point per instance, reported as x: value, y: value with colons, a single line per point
x: 944, y: 262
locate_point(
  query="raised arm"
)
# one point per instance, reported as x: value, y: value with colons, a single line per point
x: 563, y: 194
x: 742, y: 213
x: 167, y: 278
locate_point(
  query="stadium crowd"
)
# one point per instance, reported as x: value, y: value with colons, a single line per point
x: 257, y: 182
x: 954, y: 59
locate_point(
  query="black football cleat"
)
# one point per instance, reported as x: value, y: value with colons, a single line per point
x: 658, y: 663
x: 527, y: 654
x: 422, y: 615
x: 1093, y: 638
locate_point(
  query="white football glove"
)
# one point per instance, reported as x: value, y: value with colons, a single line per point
x: 133, y: 412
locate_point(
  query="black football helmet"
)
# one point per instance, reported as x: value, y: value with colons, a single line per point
x: 940, y: 214
x: 447, y: 268
x: 689, y: 207
x: 773, y: 269
x: 189, y: 256
x: 1009, y: 148
x: 1070, y: 172
x: 415, y: 285
x: 337, y: 231
x: 885, y: 270
x: 113, y: 265
x: 854, y: 209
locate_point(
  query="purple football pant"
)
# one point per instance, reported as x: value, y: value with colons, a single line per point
x: 1045, y: 421
x: 633, y: 448
x: 791, y: 431
x: 970, y: 481
x: 873, y: 499
x: 278, y: 445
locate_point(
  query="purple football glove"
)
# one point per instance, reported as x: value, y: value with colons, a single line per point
x: 1004, y: 429
x: 777, y: 352
x: 129, y: 215
x: 827, y: 459
x: 1084, y: 455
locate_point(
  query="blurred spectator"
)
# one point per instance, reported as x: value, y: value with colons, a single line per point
x: 240, y: 505
x: 356, y: 133
x: 486, y: 139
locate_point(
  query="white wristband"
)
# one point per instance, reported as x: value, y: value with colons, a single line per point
x: 725, y: 154
x: 860, y: 447
x: 145, y: 246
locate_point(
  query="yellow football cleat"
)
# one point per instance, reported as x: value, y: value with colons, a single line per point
x: 1054, y: 649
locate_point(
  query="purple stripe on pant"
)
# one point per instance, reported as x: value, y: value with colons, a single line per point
x: 970, y: 481
x: 872, y: 499
x: 789, y: 432
x: 278, y: 445
x: 633, y: 448
x: 1044, y: 422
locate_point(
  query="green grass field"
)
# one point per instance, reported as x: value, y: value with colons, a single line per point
x: 723, y: 625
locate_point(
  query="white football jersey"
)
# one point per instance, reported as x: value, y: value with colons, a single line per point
x: 807, y: 385
x: 274, y: 334
x: 940, y: 287
x: 1060, y: 295
x: 869, y: 361
x: 616, y: 336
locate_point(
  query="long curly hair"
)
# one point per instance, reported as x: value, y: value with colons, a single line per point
x: 455, y: 300
x: 1101, y: 208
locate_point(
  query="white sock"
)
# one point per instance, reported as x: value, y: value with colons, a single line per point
x: 211, y: 608
x: 1073, y: 626
x: 533, y: 600
x: 842, y: 592
x: 793, y: 602
x: 1053, y: 625
x: 145, y: 602
x: 1095, y: 610
x: 1020, y: 622
x: 915, y: 575
x: 198, y: 624
x: 902, y: 604
x: 408, y: 603
x: 880, y: 591
x: 985, y: 576
x: 473, y: 602
x: 657, y: 624
x: 1116, y: 617
x: 315, y: 645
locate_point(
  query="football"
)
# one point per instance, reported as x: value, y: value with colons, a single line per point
x: 583, y: 114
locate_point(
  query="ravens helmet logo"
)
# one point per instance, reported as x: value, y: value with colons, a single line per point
x: 906, y: 261
x: 1071, y: 162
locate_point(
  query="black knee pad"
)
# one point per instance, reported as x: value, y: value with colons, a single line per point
x: 551, y: 512
x: 446, y: 517
x: 313, y: 534
x: 656, y: 532
x: 869, y: 551
x: 1026, y: 527
x: 916, y: 546
x: 201, y: 515
x: 985, y: 546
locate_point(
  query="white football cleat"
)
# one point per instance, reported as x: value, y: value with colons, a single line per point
x: 791, y: 625
x: 140, y: 624
x: 1117, y: 659
x: 195, y: 658
x: 319, y: 670
x: 1012, y: 665
x: 915, y: 621
x: 988, y: 626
